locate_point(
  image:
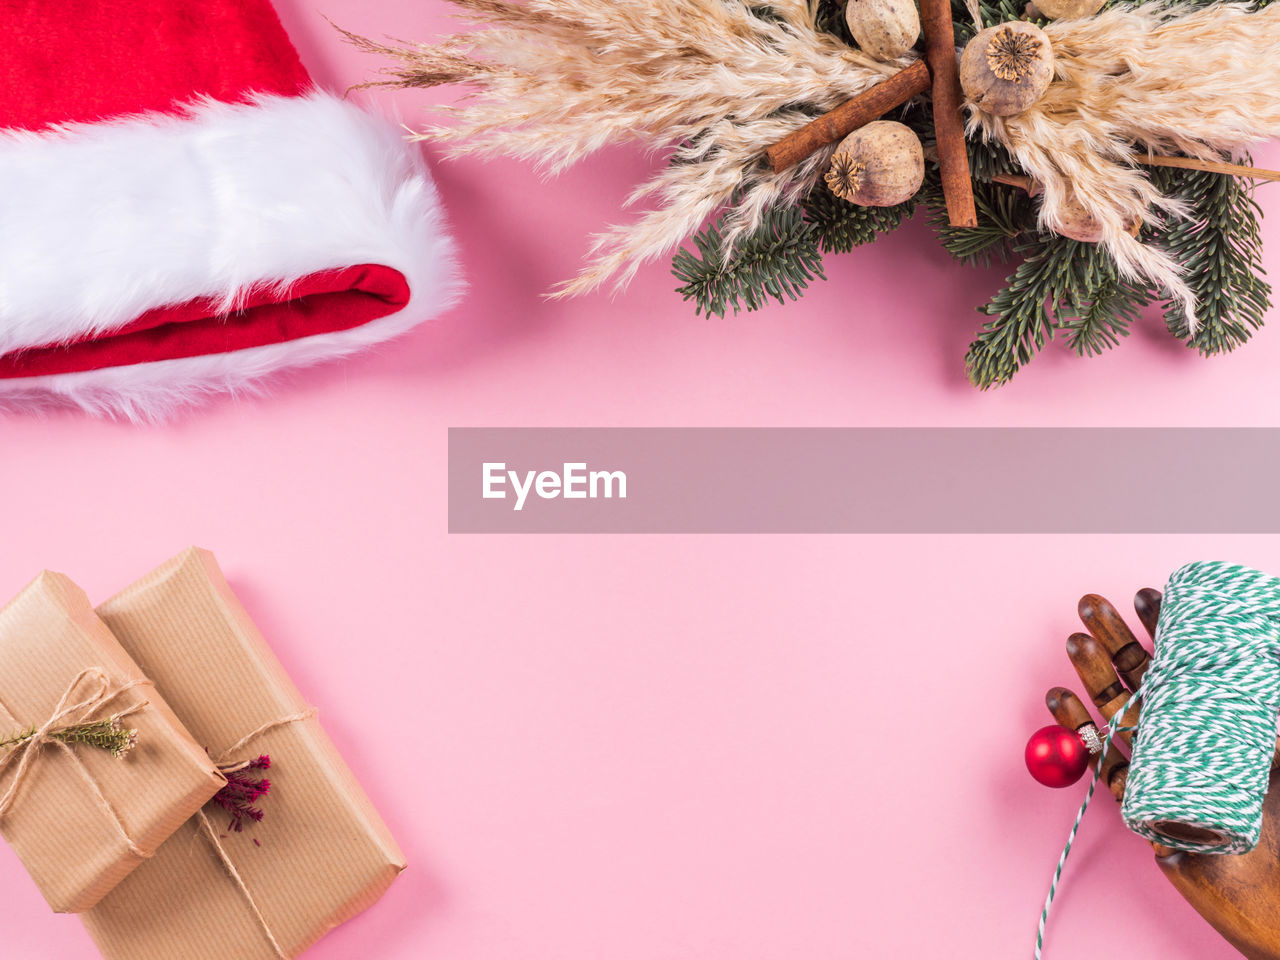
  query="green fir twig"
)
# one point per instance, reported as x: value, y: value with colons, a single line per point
x: 1112, y: 305
x: 830, y: 19
x: 108, y: 735
x: 777, y: 262
x: 1220, y: 244
x: 1060, y: 284
x: 841, y: 225
x: 1004, y: 214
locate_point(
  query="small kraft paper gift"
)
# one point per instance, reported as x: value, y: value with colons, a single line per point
x: 310, y: 855
x: 96, y: 771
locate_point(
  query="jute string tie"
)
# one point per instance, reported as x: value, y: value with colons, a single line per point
x: 223, y: 762
x: 68, y: 714
x: 1205, y: 740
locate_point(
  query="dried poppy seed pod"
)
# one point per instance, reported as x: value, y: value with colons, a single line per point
x: 1068, y: 9
x: 885, y: 29
x: 879, y: 165
x: 1077, y: 223
x: 1007, y: 68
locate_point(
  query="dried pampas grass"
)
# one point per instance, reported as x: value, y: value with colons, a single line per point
x: 1162, y: 79
x: 712, y: 83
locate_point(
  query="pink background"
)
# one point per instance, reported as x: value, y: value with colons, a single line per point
x: 634, y: 748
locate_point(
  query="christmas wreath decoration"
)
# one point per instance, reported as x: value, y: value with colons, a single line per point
x: 1101, y: 150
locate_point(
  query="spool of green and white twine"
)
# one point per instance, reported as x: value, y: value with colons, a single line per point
x: 1206, y: 733
x: 1207, y: 730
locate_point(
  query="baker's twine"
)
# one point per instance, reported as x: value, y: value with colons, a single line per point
x: 223, y: 762
x: 66, y: 716
x: 1204, y: 743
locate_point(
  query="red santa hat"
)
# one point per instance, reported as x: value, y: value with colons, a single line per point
x: 182, y: 212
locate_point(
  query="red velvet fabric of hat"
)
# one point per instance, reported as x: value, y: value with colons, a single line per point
x: 185, y: 213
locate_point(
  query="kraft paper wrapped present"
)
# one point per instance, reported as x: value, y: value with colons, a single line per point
x: 320, y: 855
x: 79, y: 816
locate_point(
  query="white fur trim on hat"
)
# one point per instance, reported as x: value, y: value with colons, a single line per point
x: 103, y: 222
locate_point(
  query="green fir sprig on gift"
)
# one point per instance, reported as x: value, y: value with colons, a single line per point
x: 1059, y: 286
x: 109, y: 735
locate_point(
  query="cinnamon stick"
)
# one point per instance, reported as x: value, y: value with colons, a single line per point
x: 1156, y: 160
x: 948, y: 123
x: 1018, y: 180
x: 844, y: 119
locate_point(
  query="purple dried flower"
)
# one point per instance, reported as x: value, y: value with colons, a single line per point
x: 242, y: 790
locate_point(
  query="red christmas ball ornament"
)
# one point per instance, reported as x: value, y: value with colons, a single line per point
x: 1056, y: 756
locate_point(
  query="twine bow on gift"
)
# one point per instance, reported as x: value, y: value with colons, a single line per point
x: 224, y: 763
x: 72, y: 722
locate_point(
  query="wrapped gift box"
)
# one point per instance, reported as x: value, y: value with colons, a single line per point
x: 320, y: 855
x: 80, y: 818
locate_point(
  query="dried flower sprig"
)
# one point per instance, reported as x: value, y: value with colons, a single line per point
x: 109, y: 735
x: 243, y: 790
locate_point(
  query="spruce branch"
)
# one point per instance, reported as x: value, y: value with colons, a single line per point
x: 1106, y: 313
x: 1023, y: 314
x: 16, y: 738
x: 776, y: 261
x: 1061, y: 284
x: 1220, y: 244
x: 829, y: 18
x: 1004, y: 214
x: 988, y: 160
x: 993, y: 12
x: 841, y: 225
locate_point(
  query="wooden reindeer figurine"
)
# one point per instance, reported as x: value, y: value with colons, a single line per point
x: 1239, y: 895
